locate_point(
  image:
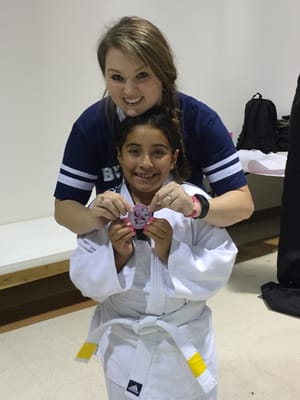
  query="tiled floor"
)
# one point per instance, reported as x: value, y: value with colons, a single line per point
x: 259, y: 350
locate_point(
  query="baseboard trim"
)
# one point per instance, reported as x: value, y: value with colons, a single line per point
x: 260, y: 215
x: 20, y: 323
x: 37, y: 297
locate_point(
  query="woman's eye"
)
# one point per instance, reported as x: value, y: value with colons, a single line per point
x: 142, y: 75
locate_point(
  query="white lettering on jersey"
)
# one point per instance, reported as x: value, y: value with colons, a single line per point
x: 110, y: 173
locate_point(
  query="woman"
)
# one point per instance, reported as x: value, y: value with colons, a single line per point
x: 152, y: 275
x: 138, y: 68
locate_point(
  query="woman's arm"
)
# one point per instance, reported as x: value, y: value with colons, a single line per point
x: 106, y: 207
x: 224, y: 210
x: 230, y: 207
x: 76, y: 217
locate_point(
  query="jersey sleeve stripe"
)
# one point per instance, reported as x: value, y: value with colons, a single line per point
x: 78, y: 172
x: 76, y: 183
x: 221, y: 163
x: 224, y: 173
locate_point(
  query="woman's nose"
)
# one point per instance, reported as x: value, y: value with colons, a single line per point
x: 129, y: 87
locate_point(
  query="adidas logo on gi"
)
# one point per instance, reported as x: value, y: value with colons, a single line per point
x: 134, y: 387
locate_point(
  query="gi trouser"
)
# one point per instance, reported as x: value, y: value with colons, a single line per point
x: 202, y: 386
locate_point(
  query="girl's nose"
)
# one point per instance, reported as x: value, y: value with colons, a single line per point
x: 146, y: 161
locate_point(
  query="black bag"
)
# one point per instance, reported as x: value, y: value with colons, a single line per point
x: 282, y: 298
x: 259, y: 131
x: 288, y: 258
x: 283, y: 128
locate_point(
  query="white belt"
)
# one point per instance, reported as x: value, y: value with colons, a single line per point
x: 144, y: 326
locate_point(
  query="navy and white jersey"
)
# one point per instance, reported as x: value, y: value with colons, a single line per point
x: 90, y: 156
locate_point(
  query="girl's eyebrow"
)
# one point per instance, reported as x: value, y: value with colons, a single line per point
x: 153, y: 145
x: 161, y: 145
x: 133, y: 144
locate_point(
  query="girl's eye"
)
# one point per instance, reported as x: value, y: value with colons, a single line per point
x: 117, y: 77
x: 134, y: 152
x: 159, y: 153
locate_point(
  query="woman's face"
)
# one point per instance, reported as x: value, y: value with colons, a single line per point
x: 146, y: 159
x: 131, y: 84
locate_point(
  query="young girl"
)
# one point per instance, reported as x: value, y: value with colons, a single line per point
x: 153, y: 274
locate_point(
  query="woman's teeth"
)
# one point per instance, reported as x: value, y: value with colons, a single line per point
x: 133, y: 101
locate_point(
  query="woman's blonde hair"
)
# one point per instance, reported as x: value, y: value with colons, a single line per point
x: 140, y: 38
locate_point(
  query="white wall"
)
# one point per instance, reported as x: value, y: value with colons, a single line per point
x: 225, y: 51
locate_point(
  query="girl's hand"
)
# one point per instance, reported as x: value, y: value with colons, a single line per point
x: 120, y: 234
x: 161, y: 232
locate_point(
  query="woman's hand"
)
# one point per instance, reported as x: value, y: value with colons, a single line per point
x: 161, y: 232
x: 174, y: 197
x: 110, y: 205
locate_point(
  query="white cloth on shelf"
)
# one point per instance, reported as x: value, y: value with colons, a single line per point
x: 258, y: 163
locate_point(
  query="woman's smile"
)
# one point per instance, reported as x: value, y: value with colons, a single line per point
x: 134, y: 101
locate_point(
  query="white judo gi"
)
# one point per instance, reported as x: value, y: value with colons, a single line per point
x: 152, y: 326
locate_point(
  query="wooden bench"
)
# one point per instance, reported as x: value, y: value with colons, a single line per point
x: 34, y: 269
x: 32, y: 250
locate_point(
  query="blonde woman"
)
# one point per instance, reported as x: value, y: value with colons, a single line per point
x: 137, y: 64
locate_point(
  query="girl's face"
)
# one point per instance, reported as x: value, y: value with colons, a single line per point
x: 131, y: 84
x: 146, y: 159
